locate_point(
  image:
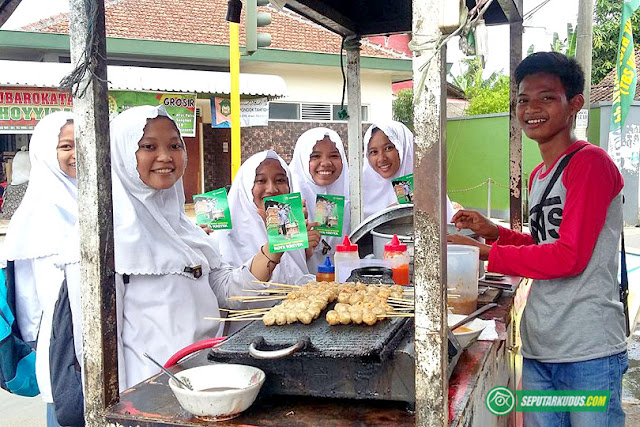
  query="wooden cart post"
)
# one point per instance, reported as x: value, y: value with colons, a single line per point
x: 430, y: 276
x: 354, y: 109
x: 88, y: 54
x: 515, y: 131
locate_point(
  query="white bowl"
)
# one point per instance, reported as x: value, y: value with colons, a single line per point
x: 218, y: 405
x: 466, y: 338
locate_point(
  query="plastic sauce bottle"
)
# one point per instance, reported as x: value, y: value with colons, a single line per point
x: 345, y: 252
x: 326, y: 271
x: 396, y: 253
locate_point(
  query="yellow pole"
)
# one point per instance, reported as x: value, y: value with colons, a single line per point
x: 234, y: 68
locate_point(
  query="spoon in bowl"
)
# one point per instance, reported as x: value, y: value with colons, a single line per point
x: 176, y: 379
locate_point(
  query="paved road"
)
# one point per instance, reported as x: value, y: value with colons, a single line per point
x: 21, y: 411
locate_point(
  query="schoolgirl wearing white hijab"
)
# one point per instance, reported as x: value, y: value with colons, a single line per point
x: 319, y: 166
x: 44, y: 220
x: 169, y: 274
x: 388, y: 154
x: 249, y: 234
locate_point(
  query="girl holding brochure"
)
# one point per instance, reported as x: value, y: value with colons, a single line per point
x: 169, y: 275
x: 388, y: 154
x: 319, y: 167
x: 261, y: 175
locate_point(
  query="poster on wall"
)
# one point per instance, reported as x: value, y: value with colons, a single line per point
x: 253, y: 112
x: 21, y: 108
x: 181, y: 106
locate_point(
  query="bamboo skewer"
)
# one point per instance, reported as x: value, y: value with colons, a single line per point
x: 396, y: 315
x: 257, y: 298
x: 246, y: 315
x: 232, y: 319
x: 276, y: 284
x: 268, y: 291
x: 244, y: 310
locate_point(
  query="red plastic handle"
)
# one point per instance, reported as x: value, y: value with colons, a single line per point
x: 200, y: 345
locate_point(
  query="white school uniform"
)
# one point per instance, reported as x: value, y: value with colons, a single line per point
x: 160, y: 306
x: 304, y: 183
x: 378, y: 191
x: 45, y: 218
x: 240, y: 244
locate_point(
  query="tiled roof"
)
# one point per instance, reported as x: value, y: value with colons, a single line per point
x: 203, y: 21
x: 603, y: 91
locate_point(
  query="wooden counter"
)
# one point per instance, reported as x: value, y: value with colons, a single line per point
x: 484, y: 365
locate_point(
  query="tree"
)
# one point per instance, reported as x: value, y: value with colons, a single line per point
x: 471, y: 79
x: 606, y: 31
x: 486, y: 96
x: 487, y: 100
x: 566, y: 46
x: 403, y: 107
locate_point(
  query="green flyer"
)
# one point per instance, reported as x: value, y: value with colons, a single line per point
x: 286, y: 227
x: 403, y: 186
x: 329, y: 214
x: 212, y: 209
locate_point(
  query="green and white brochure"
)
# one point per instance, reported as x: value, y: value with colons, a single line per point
x: 403, y: 187
x: 286, y: 227
x: 329, y: 214
x: 212, y: 209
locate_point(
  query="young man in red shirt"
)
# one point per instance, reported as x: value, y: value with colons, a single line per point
x: 573, y: 327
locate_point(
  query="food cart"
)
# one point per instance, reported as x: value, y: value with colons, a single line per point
x: 438, y: 399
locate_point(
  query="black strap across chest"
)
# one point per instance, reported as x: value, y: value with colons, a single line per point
x: 537, y: 210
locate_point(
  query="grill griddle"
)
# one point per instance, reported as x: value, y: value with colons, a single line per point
x: 373, y: 343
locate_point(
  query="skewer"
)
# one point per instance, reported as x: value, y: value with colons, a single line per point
x: 268, y: 291
x: 231, y: 319
x: 256, y: 298
x: 396, y: 315
x: 403, y: 308
x: 399, y: 302
x: 244, y: 310
x: 241, y: 316
x: 257, y: 311
x: 276, y: 284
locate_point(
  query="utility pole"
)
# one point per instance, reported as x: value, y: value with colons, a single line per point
x: 88, y: 45
x: 584, y: 45
x: 430, y: 181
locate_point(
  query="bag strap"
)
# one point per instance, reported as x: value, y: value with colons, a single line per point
x: 556, y: 174
x: 624, y: 285
x: 563, y: 164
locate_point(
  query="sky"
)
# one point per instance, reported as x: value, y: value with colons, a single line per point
x: 539, y: 29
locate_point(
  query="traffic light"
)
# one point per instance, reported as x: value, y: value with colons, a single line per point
x: 255, y: 19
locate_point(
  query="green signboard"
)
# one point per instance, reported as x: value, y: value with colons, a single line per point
x: 182, y: 107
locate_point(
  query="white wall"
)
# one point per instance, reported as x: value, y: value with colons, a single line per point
x: 320, y: 84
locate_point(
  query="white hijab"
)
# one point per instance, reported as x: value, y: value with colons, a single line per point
x: 378, y: 191
x: 20, y: 167
x: 243, y: 241
x: 49, y: 209
x: 304, y: 183
x: 152, y: 233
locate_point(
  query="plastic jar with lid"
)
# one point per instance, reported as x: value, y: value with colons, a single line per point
x: 326, y: 271
x: 345, y: 252
x: 396, y: 253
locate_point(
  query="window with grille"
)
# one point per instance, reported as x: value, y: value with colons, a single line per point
x: 300, y: 111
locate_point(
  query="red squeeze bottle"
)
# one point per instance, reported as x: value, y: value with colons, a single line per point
x: 397, y: 254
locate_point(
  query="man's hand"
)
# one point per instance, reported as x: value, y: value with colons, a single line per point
x: 206, y: 228
x: 476, y: 222
x: 468, y: 241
